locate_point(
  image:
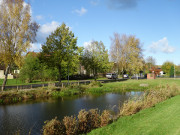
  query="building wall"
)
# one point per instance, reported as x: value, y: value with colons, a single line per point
x: 16, y: 71
x: 2, y: 76
x: 151, y: 76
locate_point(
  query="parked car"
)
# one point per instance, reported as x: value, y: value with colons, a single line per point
x: 111, y: 76
x: 125, y: 76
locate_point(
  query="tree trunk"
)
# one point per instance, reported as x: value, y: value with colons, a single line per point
x: 95, y: 74
x: 68, y: 73
x: 122, y: 73
x: 5, y: 79
x: 59, y: 68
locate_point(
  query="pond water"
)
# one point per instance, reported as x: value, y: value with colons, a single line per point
x: 28, y: 116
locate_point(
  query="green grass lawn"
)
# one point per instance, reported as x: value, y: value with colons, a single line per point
x: 134, y: 85
x: 163, y: 119
x: 19, y: 82
x: 12, y: 82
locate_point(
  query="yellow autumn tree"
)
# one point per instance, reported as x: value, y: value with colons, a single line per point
x: 17, y: 31
x: 126, y: 53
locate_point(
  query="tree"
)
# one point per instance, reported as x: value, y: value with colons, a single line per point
x: 177, y: 70
x: 150, y: 62
x: 166, y: 67
x: 126, y: 52
x: 95, y: 58
x: 30, y: 69
x: 60, y: 46
x: 171, y: 72
x: 118, y: 52
x: 135, y: 61
x: 17, y: 31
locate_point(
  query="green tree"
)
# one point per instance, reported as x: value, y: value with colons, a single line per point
x: 60, y: 46
x: 17, y: 31
x: 166, y: 67
x: 177, y: 70
x: 171, y: 72
x: 72, y: 65
x: 30, y: 69
x: 95, y: 58
x: 48, y: 73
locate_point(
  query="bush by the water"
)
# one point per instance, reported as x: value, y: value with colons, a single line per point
x: 54, y: 127
x: 71, y: 125
x: 88, y: 120
x: 95, y: 83
x: 150, y: 98
x: 84, y: 123
x: 14, y: 96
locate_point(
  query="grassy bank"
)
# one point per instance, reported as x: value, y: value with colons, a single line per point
x: 16, y: 82
x: 134, y: 85
x: 14, y: 96
x: 162, y: 119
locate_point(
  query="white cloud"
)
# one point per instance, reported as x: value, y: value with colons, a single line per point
x: 35, y: 47
x: 46, y: 29
x: 81, y: 12
x: 87, y: 44
x: 39, y: 17
x: 161, y: 46
x: 49, y: 27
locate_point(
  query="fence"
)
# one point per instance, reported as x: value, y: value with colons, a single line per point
x: 63, y: 84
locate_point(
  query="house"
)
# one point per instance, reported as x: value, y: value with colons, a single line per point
x: 2, y: 68
x: 151, y: 76
x: 157, y: 71
x: 2, y: 74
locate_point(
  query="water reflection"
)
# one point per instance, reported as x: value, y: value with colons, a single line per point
x: 31, y: 115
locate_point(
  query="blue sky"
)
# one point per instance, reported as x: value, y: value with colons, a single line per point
x: 155, y: 22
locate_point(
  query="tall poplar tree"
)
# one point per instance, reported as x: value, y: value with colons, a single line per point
x: 17, y: 31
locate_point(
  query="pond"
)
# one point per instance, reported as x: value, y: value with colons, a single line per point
x: 30, y: 116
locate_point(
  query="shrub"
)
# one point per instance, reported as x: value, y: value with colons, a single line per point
x: 84, y: 121
x: 76, y: 87
x: 71, y: 125
x: 88, y: 120
x: 95, y: 83
x: 53, y: 127
x: 150, y: 98
x: 95, y: 118
x: 131, y: 107
x: 106, y: 118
